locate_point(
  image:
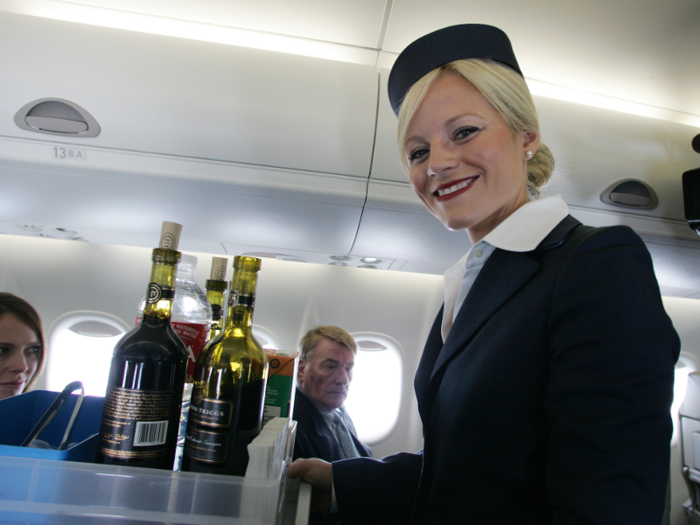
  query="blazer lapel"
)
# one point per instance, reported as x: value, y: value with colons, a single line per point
x: 503, y: 275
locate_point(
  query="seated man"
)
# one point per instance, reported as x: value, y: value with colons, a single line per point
x: 324, y: 428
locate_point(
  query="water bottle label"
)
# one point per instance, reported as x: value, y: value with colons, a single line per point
x: 195, y: 336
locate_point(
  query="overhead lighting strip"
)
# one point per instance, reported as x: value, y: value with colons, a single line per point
x: 566, y: 94
x: 143, y: 23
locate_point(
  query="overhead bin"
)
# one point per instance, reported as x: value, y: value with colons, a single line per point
x: 240, y: 145
x: 173, y: 96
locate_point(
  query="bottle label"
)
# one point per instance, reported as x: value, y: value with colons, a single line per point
x: 135, y: 423
x: 209, y: 447
x: 216, y: 312
x: 195, y: 336
x: 210, y: 412
x: 156, y: 292
x: 241, y: 299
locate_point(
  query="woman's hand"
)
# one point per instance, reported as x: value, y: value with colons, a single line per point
x: 320, y: 474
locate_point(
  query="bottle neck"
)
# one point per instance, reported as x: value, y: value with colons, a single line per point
x: 161, y: 288
x: 241, y: 300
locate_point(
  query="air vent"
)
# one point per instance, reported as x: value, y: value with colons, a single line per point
x: 630, y: 193
x: 57, y: 117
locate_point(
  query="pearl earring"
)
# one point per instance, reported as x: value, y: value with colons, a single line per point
x: 529, y: 154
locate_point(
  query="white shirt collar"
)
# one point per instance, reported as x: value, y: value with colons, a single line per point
x: 522, y: 231
x: 528, y: 226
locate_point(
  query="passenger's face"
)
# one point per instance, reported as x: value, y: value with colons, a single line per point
x: 20, y: 349
x: 466, y: 165
x: 325, y: 377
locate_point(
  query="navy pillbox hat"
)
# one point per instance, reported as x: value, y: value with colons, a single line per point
x: 442, y: 47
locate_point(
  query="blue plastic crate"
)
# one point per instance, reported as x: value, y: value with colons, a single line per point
x: 19, y: 414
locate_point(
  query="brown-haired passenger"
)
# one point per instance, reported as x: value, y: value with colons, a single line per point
x: 546, y: 383
x: 324, y: 428
x: 22, y: 346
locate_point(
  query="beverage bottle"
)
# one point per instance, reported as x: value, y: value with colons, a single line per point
x: 191, y: 318
x: 215, y: 287
x: 229, y: 385
x: 141, y: 414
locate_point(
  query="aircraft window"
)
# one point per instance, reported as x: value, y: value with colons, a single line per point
x: 375, y: 393
x: 80, y: 349
x: 686, y: 365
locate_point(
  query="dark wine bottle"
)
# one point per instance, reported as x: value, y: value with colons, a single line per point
x: 144, y: 393
x: 229, y: 386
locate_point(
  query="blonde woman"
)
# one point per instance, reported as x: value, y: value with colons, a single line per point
x: 546, y: 383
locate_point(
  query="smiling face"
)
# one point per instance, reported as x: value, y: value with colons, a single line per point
x: 324, y: 377
x: 20, y: 350
x: 465, y: 164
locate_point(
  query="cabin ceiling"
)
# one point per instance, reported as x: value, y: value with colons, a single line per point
x: 643, y: 51
x: 638, y: 51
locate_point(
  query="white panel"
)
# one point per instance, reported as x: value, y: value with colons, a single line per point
x: 195, y: 99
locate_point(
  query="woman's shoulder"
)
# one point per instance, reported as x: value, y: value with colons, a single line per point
x: 572, y: 233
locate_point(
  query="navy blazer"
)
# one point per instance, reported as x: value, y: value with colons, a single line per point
x: 314, y: 438
x: 549, y: 402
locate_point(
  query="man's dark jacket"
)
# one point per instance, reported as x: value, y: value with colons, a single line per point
x: 314, y: 438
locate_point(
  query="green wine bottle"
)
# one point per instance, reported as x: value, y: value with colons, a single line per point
x: 141, y: 411
x: 229, y: 386
x: 215, y: 288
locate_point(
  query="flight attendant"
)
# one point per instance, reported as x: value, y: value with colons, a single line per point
x: 546, y: 382
x: 21, y: 345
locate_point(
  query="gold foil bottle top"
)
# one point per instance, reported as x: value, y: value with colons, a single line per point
x: 247, y: 264
x: 218, y: 268
x: 170, y: 236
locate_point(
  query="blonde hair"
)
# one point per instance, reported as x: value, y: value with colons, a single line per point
x: 315, y: 335
x: 506, y: 91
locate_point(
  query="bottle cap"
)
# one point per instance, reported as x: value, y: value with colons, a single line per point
x: 218, y: 268
x: 170, y: 235
x: 187, y: 263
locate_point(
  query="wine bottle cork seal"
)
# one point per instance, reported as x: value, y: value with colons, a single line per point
x: 170, y: 235
x: 218, y: 268
x: 248, y: 264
